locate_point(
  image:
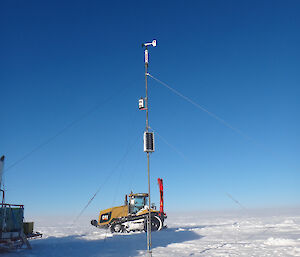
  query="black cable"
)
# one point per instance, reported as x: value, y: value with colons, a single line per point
x: 203, y: 109
x: 107, y: 178
x: 71, y: 124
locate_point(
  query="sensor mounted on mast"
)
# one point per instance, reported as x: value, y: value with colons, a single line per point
x: 153, y: 43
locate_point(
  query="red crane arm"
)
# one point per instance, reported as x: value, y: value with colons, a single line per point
x: 161, y: 191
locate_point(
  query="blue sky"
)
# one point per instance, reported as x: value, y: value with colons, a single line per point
x: 238, y: 59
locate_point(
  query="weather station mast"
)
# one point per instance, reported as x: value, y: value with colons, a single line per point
x: 148, y: 141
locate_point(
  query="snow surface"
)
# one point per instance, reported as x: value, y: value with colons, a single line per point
x: 193, y: 234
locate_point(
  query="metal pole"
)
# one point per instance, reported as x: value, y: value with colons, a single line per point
x: 149, y: 244
x: 146, y: 82
x: 149, y: 220
x: 1, y: 169
x: 3, y: 200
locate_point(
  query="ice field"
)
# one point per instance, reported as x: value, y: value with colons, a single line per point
x: 255, y: 233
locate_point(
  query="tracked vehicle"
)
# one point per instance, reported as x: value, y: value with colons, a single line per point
x: 133, y: 215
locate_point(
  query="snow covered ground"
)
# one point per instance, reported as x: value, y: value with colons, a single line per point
x: 193, y: 234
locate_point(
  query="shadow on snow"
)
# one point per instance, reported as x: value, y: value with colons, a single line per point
x: 118, y: 245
